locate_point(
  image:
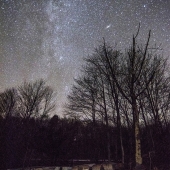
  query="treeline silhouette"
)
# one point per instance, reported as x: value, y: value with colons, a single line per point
x: 128, y: 90
x: 57, y: 141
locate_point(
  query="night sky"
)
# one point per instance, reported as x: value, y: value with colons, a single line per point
x: 49, y: 38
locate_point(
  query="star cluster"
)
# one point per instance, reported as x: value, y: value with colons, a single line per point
x: 48, y: 39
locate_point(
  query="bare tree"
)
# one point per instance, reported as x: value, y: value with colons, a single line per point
x: 131, y: 77
x: 35, y: 100
x: 128, y: 84
x: 157, y: 94
x: 138, y: 71
x: 83, y: 103
x: 112, y: 94
x: 8, y: 103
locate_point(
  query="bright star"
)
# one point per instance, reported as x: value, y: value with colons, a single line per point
x: 108, y: 26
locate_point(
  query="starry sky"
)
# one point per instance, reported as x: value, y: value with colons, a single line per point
x: 49, y: 38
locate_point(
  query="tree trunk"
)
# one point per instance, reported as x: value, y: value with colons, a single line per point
x: 119, y: 128
x: 108, y: 146
x: 122, y: 148
x: 138, y: 156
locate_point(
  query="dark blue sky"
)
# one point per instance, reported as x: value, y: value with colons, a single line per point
x: 48, y: 38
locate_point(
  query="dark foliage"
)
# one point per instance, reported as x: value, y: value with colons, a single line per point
x: 58, y: 141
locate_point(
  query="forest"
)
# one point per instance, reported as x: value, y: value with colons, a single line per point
x: 118, y: 110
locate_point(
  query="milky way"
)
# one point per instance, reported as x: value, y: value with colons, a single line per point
x: 49, y: 38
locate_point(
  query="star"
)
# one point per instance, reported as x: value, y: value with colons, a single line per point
x: 108, y: 26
